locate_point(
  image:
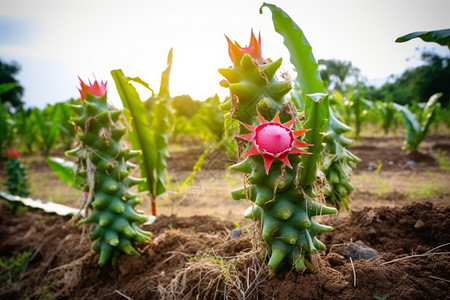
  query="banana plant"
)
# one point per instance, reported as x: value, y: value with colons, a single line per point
x: 359, y: 108
x: 338, y: 162
x: 150, y: 123
x: 47, y: 122
x: 387, y: 112
x: 442, y: 36
x: 417, y: 129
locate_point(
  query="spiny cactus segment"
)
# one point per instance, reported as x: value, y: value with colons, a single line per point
x: 16, y: 174
x: 285, y: 208
x: 338, y: 164
x: 104, y: 163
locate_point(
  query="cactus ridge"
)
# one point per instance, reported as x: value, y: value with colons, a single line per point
x: 103, y: 154
x: 285, y: 208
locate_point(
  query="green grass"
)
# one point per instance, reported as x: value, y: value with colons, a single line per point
x: 443, y: 159
x: 12, y: 266
x: 425, y: 190
x: 382, y: 187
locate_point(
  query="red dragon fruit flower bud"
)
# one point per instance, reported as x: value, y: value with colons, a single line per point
x: 12, y: 153
x: 274, y: 140
x: 95, y: 89
x: 236, y: 52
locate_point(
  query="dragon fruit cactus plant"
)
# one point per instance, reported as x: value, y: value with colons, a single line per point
x: 104, y: 163
x: 272, y: 163
x: 16, y: 174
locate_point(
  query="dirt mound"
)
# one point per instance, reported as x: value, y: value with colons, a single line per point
x: 208, y: 258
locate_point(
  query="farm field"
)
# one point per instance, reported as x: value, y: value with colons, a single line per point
x: 306, y: 181
x: 400, y: 208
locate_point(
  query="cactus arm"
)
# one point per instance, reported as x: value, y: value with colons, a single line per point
x: 104, y: 159
x: 309, y: 81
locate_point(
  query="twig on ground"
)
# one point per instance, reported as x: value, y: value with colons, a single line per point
x: 414, y: 256
x: 439, y: 278
x: 354, y: 273
x: 122, y: 294
x: 435, y: 248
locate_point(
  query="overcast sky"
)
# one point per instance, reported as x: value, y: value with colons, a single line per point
x: 56, y: 41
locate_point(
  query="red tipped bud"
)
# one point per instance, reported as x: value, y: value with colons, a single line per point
x: 12, y: 153
x: 95, y: 89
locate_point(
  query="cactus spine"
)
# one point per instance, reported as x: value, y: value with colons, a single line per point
x: 285, y: 207
x: 104, y: 163
x: 16, y: 174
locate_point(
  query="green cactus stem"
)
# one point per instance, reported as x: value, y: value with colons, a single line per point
x: 16, y: 174
x: 272, y: 164
x: 104, y: 163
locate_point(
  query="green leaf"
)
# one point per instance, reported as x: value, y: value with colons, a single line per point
x: 66, y: 171
x: 142, y: 82
x: 412, y: 126
x: 301, y: 56
x: 160, y: 125
x: 429, y: 114
x: 164, y: 88
x: 142, y: 137
x: 6, y: 87
x: 442, y: 37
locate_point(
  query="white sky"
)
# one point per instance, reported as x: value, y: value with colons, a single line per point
x: 56, y: 41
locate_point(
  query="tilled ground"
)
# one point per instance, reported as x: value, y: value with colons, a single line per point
x: 198, y: 256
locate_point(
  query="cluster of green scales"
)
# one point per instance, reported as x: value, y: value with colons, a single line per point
x: 104, y: 163
x: 16, y: 175
x: 285, y: 207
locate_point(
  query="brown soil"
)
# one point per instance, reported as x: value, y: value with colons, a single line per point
x: 194, y: 255
x: 197, y: 256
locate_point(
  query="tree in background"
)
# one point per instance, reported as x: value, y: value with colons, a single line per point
x: 419, y: 84
x: 8, y: 73
x: 337, y: 73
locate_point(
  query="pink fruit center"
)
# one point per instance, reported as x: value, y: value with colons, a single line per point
x: 273, y: 139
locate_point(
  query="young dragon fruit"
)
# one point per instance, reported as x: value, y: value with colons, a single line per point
x: 272, y: 162
x: 16, y: 174
x: 105, y: 167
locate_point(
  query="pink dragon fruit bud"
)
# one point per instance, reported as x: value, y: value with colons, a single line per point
x: 95, y: 89
x: 274, y: 140
x: 236, y: 52
x: 12, y: 153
